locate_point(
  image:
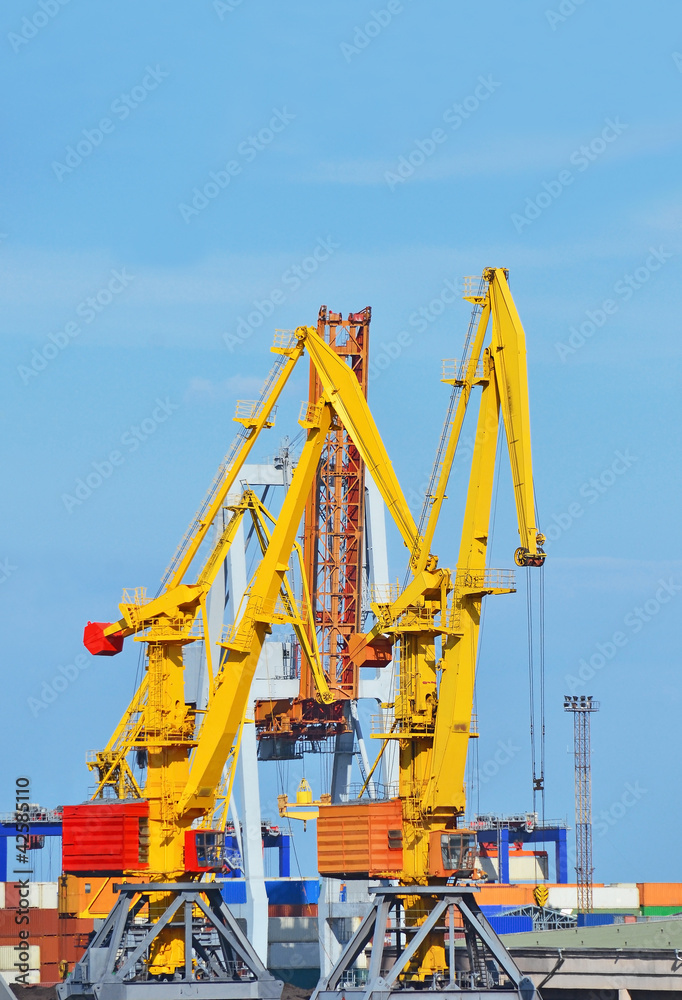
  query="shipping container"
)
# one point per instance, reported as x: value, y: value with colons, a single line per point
x: 526, y: 866
x: 293, y: 891
x: 509, y: 895
x: 620, y: 896
x: 41, y: 895
x: 233, y: 890
x: 38, y: 922
x: 293, y: 929
x: 50, y: 950
x: 49, y: 973
x: 32, y: 977
x: 660, y: 911
x: 495, y: 910
x: 48, y: 895
x: 594, y: 919
x: 660, y: 893
x: 360, y: 839
x: 511, y: 925
x: 9, y: 956
x: 2, y: 895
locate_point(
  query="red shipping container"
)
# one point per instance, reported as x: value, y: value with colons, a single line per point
x: 75, y: 925
x: 71, y: 948
x: 104, y: 838
x: 49, y: 973
x: 49, y: 950
x: 40, y: 922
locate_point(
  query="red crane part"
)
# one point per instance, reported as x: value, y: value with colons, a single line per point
x: 99, y: 644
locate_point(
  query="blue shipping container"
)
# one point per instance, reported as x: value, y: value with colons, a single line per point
x: 281, y: 891
x: 494, y: 909
x: 594, y: 919
x: 511, y: 925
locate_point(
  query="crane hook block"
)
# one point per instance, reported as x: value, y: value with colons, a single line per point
x: 99, y: 644
x: 522, y: 557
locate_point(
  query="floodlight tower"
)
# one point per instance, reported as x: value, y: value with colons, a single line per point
x: 582, y: 706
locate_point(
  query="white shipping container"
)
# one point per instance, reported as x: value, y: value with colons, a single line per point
x: 32, y: 977
x: 2, y: 895
x: 293, y: 929
x: 9, y: 955
x: 624, y: 896
x: 48, y: 893
x: 521, y: 869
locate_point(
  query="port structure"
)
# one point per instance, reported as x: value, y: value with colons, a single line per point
x: 432, y: 624
x: 582, y: 706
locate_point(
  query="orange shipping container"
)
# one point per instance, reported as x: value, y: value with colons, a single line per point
x: 512, y: 895
x: 660, y: 893
x: 360, y: 839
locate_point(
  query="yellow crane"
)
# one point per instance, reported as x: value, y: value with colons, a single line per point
x: 153, y: 837
x: 433, y: 625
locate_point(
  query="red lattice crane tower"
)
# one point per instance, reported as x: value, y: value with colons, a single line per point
x: 333, y: 555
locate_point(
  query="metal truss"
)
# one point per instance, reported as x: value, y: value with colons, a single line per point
x: 476, y: 963
x: 221, y: 964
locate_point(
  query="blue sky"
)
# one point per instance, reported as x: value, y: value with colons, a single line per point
x: 180, y: 164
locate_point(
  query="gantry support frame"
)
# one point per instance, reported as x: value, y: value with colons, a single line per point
x: 481, y: 968
x: 222, y: 964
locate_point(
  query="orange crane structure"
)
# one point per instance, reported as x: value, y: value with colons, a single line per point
x: 333, y: 551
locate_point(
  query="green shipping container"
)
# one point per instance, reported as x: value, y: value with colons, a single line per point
x: 660, y: 911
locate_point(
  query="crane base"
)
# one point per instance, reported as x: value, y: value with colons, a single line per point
x: 478, y: 964
x: 222, y: 964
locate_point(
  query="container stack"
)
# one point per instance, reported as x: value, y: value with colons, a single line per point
x: 38, y: 936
